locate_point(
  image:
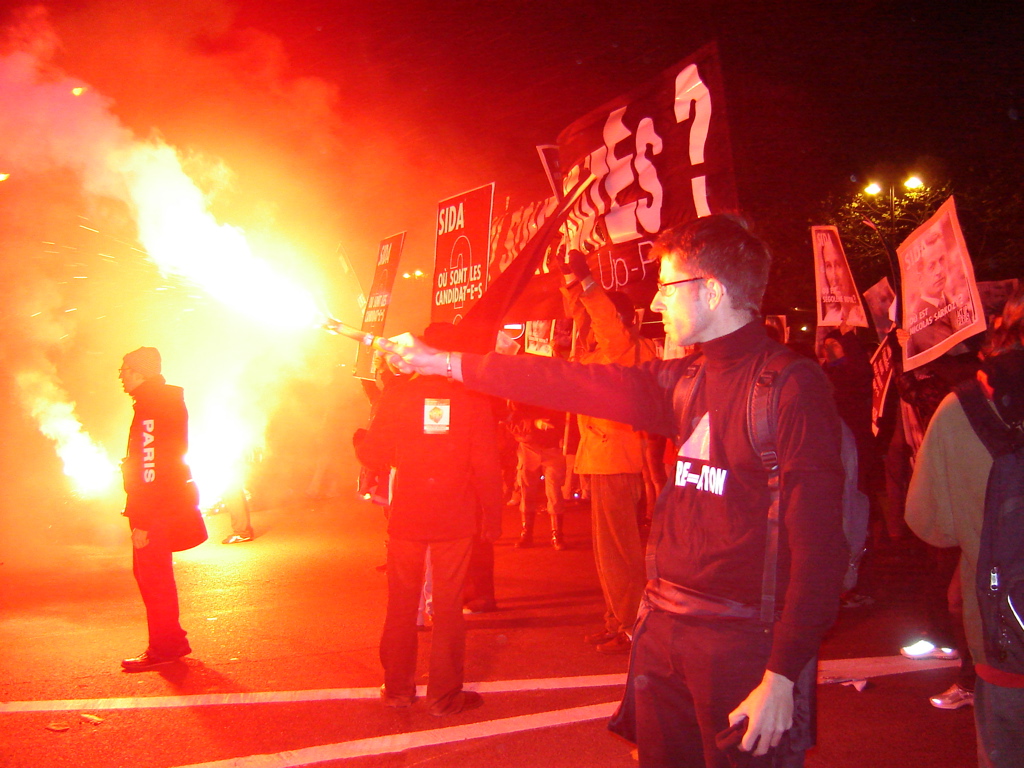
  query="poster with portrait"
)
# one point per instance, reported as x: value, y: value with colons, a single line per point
x: 539, y: 337
x: 376, y: 310
x: 941, y: 304
x: 838, y: 299
x: 880, y: 299
x: 461, y: 249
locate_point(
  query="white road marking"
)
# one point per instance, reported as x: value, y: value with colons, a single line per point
x: 399, y: 742
x: 289, y: 697
x: 829, y: 671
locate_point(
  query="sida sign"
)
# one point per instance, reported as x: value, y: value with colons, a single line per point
x: 461, y: 249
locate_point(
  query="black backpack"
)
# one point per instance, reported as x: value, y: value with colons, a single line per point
x: 762, y: 426
x: 1000, y: 575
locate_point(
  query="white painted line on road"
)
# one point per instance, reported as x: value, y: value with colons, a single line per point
x: 289, y: 697
x: 829, y: 671
x: 399, y: 742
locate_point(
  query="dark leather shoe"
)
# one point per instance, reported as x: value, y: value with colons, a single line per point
x: 460, y: 702
x: 145, y: 661
x: 398, y: 702
x: 600, y: 637
x: 618, y: 644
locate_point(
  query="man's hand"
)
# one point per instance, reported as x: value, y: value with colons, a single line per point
x: 410, y: 355
x: 769, y: 708
x: 902, y: 336
x: 140, y: 538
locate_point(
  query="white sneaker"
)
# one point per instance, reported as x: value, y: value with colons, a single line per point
x: 923, y: 649
x: 954, y: 697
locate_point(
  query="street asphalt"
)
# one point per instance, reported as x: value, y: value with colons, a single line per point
x: 284, y: 669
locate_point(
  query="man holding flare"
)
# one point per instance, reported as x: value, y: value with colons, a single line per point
x: 705, y: 657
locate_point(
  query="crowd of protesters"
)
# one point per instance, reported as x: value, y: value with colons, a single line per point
x: 745, y: 547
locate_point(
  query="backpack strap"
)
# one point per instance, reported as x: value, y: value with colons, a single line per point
x: 683, y: 389
x: 682, y: 393
x: 762, y: 429
x: 994, y: 434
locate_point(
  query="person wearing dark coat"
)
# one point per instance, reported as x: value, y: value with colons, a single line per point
x: 162, y: 502
x: 440, y: 438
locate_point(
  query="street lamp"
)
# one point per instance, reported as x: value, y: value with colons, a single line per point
x: 913, y: 184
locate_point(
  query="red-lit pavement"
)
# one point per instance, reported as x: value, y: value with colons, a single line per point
x: 284, y: 669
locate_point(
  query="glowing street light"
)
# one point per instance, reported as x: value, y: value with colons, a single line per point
x: 913, y: 184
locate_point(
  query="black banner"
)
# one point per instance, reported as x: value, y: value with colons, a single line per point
x: 661, y: 157
x: 377, y: 302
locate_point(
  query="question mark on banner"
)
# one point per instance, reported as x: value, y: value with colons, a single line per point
x: 690, y: 89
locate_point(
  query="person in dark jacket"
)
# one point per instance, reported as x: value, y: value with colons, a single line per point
x: 162, y: 502
x: 440, y: 438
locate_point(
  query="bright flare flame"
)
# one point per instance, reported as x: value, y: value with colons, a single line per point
x: 184, y: 238
x: 90, y: 469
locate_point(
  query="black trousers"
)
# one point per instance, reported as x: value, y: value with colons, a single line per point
x: 686, y: 675
x: 154, y: 572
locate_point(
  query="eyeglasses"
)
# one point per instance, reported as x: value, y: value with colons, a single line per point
x: 667, y: 289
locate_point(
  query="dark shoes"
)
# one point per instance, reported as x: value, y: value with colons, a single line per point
x: 237, y: 538
x: 600, y: 637
x: 558, y: 542
x: 480, y: 605
x: 146, y: 661
x: 398, y: 702
x: 618, y: 644
x: 524, y: 541
x: 463, y: 701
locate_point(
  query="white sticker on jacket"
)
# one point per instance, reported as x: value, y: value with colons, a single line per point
x: 437, y: 415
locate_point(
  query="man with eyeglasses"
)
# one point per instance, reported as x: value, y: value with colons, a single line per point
x: 703, y: 663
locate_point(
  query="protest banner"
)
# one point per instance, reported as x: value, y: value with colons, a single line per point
x: 838, y: 301
x: 882, y: 367
x: 661, y: 157
x: 880, y: 298
x: 461, y: 251
x: 378, y: 301
x: 941, y: 305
